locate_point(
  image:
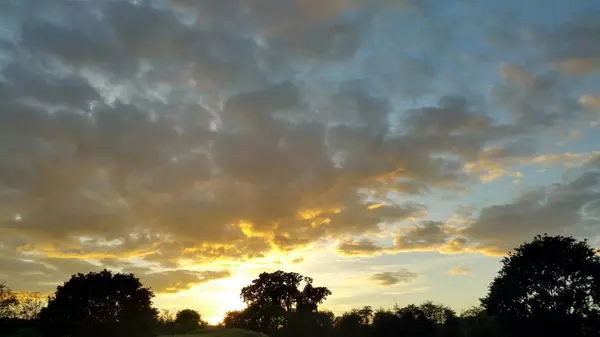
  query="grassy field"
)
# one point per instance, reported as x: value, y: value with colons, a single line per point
x: 219, y: 332
x: 207, y: 332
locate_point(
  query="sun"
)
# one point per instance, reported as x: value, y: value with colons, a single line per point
x: 224, y: 296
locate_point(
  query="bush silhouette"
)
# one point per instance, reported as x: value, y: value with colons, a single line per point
x: 188, y: 320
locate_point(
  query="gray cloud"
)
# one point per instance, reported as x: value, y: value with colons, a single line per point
x: 422, y: 236
x: 553, y: 209
x: 361, y: 247
x: 387, y: 279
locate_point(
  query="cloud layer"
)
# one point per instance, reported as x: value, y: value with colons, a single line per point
x: 173, y: 130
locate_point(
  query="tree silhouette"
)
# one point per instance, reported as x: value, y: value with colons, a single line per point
x: 100, y: 304
x: 386, y: 324
x: 236, y: 319
x: 188, y: 320
x: 282, y: 303
x: 475, y: 322
x: 166, y: 322
x: 427, y: 319
x: 305, y: 323
x: 549, y: 286
x: 275, y: 299
x: 29, y: 306
x: 354, y: 323
x: 282, y: 290
x: 250, y: 318
x: 8, y: 301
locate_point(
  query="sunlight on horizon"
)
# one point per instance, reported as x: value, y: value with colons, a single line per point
x: 223, y: 297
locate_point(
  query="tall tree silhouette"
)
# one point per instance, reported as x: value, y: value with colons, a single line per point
x: 273, y: 298
x: 100, y: 304
x: 549, y: 286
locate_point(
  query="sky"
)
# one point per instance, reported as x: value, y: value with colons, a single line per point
x: 392, y: 150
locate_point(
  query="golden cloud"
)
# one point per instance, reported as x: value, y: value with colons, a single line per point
x: 459, y: 270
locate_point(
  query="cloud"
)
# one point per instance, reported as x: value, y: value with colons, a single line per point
x: 363, y: 247
x: 491, y: 166
x: 291, y: 24
x: 387, y: 279
x: 580, y: 48
x: 174, y: 281
x: 589, y: 101
x: 298, y: 260
x: 566, y: 208
x: 43, y: 274
x: 553, y: 210
x: 513, y: 73
x: 202, y: 131
x: 460, y: 270
x: 580, y: 66
x: 39, y: 273
x: 423, y: 236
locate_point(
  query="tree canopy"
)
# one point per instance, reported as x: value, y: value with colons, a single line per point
x: 188, y: 320
x: 100, y: 304
x: 551, y: 283
x: 275, y: 299
x: 281, y: 290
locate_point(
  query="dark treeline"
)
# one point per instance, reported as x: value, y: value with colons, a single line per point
x: 547, y: 287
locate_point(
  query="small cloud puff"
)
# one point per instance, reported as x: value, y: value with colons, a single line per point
x: 387, y: 279
x: 460, y: 270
